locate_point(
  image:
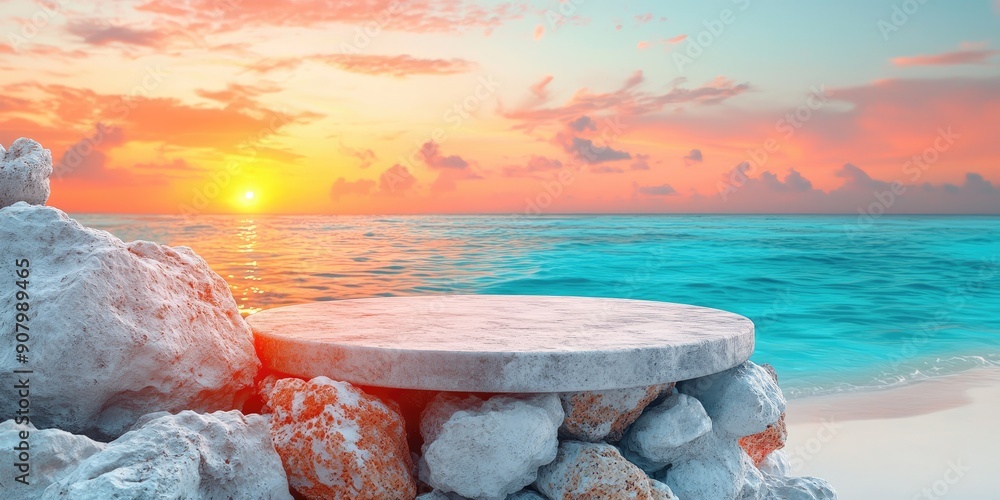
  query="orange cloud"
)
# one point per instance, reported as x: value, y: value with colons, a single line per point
x: 399, y: 66
x: 452, y: 16
x: 343, y: 187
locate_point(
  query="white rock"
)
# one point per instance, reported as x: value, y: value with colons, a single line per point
x: 491, y: 450
x: 24, y: 173
x: 711, y: 466
x: 594, y: 470
x: 53, y: 454
x: 188, y: 455
x: 741, y: 401
x: 798, y: 488
x: 776, y: 463
x: 441, y: 409
x: 118, y: 330
x: 657, y: 437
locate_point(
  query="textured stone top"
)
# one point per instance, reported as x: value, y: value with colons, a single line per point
x: 501, y: 343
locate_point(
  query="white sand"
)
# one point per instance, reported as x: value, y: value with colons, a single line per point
x: 938, y: 438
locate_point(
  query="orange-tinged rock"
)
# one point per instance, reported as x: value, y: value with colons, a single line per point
x: 773, y: 438
x: 335, y: 441
x: 604, y: 415
x: 596, y: 470
x: 761, y: 444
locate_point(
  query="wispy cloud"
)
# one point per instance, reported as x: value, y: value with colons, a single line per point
x: 399, y: 66
x: 96, y: 32
x: 968, y: 54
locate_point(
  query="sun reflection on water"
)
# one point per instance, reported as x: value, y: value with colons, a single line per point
x: 246, y: 287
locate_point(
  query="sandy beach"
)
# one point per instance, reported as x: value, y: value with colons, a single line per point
x: 937, y: 438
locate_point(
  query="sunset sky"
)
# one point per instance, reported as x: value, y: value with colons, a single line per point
x: 374, y: 106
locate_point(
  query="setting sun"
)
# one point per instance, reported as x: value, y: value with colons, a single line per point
x: 249, y: 195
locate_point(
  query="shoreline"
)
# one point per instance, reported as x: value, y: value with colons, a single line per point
x: 927, y: 439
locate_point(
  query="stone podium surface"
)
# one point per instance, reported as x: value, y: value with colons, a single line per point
x: 501, y: 344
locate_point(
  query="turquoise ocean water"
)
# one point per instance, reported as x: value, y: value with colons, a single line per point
x: 838, y: 304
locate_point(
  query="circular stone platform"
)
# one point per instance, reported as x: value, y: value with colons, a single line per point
x: 494, y: 343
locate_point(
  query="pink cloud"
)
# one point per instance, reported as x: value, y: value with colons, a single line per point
x: 628, y: 101
x: 451, y: 16
x: 539, y: 32
x: 396, y: 179
x: 540, y: 88
x: 95, y: 32
x: 677, y: 39
x: 431, y: 154
x: 968, y: 55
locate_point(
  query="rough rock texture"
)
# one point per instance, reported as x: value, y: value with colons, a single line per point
x: 761, y: 444
x: 595, y: 470
x: 712, y: 466
x: 741, y: 401
x: 776, y: 463
x: 188, y: 455
x: 53, y: 455
x: 657, y: 438
x: 798, y: 488
x: 24, y: 173
x: 604, y: 415
x: 338, y: 442
x: 488, y: 450
x: 118, y: 330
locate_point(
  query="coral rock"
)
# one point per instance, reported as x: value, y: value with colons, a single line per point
x: 24, y: 173
x: 604, y: 415
x: 488, y: 450
x: 741, y: 401
x: 657, y: 437
x: 188, y: 455
x: 118, y: 329
x: 53, y: 454
x: 338, y: 442
x: 761, y: 444
x: 595, y: 470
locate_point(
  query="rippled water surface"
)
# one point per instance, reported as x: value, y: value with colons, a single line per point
x: 837, y: 305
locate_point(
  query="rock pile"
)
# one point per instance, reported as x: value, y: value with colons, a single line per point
x: 140, y: 365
